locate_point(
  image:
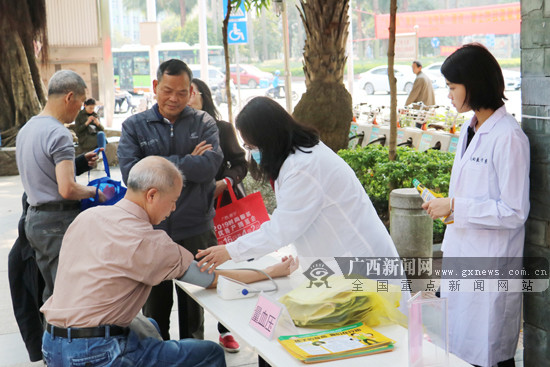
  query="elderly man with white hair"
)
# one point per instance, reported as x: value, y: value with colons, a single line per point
x: 110, y: 259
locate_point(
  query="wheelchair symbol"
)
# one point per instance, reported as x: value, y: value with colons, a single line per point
x: 236, y: 34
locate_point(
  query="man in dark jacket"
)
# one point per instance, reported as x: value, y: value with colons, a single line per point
x: 26, y: 287
x: 88, y: 128
x: 189, y: 139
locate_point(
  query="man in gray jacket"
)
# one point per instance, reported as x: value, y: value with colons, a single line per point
x: 422, y: 90
x: 189, y: 139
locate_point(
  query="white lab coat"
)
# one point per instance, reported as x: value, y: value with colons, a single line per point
x: 490, y: 184
x: 322, y: 209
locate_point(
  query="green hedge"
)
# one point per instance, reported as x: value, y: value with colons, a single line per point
x: 377, y: 174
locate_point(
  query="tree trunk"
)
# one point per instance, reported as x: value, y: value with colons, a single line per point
x: 21, y: 91
x: 393, y: 83
x: 326, y: 105
x: 328, y: 108
x: 227, y: 62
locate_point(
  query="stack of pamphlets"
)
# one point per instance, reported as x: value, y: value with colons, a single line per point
x: 328, y: 345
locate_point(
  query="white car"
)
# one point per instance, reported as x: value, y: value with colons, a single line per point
x: 433, y: 71
x: 376, y: 79
x: 216, y: 79
x: 512, y: 79
x: 215, y: 75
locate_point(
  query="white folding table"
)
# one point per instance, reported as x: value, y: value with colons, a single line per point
x: 236, y: 315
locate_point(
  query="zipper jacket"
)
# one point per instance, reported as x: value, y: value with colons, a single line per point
x: 148, y: 133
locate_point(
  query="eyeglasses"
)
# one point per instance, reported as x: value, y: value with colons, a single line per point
x: 194, y: 93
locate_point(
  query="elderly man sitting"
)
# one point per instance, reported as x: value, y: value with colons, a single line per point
x: 110, y: 258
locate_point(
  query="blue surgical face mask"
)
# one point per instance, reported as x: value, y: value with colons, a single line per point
x: 256, y: 155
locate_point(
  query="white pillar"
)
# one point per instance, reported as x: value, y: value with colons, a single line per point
x: 288, y: 80
x: 151, y: 10
x: 153, y: 51
x: 203, y: 41
x: 105, y: 68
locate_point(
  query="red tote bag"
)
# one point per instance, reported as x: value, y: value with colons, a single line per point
x: 240, y: 217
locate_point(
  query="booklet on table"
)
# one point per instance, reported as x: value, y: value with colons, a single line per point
x: 344, y: 342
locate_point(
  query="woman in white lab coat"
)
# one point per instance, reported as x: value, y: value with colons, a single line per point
x: 322, y: 208
x: 489, y: 195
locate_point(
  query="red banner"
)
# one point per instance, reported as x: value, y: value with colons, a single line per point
x: 492, y: 19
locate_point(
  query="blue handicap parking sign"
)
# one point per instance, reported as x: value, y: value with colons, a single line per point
x: 237, y: 33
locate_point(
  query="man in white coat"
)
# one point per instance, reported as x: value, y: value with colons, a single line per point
x: 489, y: 195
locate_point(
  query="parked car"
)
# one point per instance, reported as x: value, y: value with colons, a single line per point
x: 376, y: 79
x: 433, y: 71
x: 215, y: 75
x: 250, y: 75
x: 512, y: 79
x: 216, y: 80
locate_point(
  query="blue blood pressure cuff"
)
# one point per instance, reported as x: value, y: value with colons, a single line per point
x: 194, y: 276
